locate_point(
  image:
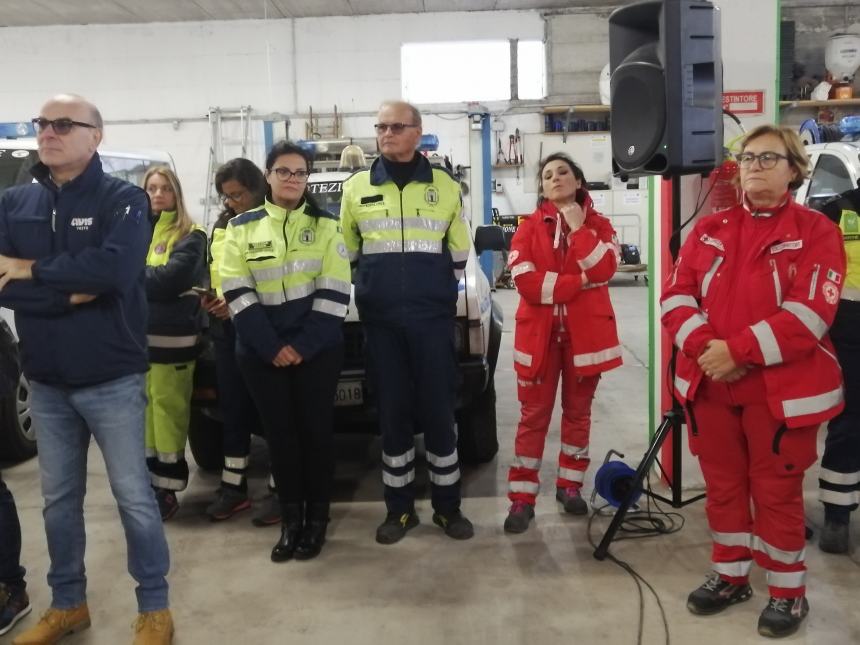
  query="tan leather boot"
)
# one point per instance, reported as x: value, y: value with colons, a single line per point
x: 154, y: 628
x: 54, y: 625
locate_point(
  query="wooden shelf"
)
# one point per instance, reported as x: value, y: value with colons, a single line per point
x: 507, y: 165
x: 564, y: 109
x: 821, y: 104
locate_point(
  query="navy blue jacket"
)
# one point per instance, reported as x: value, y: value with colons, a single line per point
x: 89, y: 236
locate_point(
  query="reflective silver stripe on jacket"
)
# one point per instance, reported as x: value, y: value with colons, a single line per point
x: 524, y: 487
x: 330, y: 307
x: 812, y: 404
x: 571, y: 475
x: 460, y: 256
x: 779, y: 555
x: 236, y: 462
x: 168, y: 482
x: 577, y: 452
x: 272, y: 298
x: 737, y: 569
x: 398, y: 461
x: 444, y: 480
x: 838, y: 497
x: 230, y: 284
x: 732, y: 539
x: 675, y: 302
x: 777, y: 285
x: 547, y: 287
x: 706, y: 281
x: 300, y: 266
x: 767, y: 342
x: 300, y: 291
x: 333, y: 284
x: 690, y: 325
x: 531, y: 463
x: 264, y: 275
x: 398, y: 246
x: 232, y: 478
x: 786, y: 579
x: 241, y: 303
x: 594, y: 257
x: 170, y: 457
x: 441, y: 462
x: 811, y: 320
x: 172, y: 342
x: 394, y: 224
x: 522, y: 358
x: 840, y: 479
x: 682, y: 386
x: 522, y: 267
x: 596, y: 358
x: 398, y: 481
x: 813, y: 282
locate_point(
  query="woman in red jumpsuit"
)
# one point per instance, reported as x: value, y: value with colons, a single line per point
x: 561, y: 258
x: 749, y: 303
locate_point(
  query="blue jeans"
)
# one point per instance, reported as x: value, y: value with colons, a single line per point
x: 113, y: 413
x: 11, y: 571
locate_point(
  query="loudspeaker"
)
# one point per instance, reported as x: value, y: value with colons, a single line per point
x: 666, y: 88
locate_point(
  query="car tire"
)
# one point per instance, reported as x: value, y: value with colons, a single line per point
x: 477, y: 440
x: 17, y: 436
x: 205, y: 438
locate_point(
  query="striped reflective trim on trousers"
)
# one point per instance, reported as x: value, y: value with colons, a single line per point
x: 231, y: 284
x: 767, y: 342
x: 840, y: 479
x: 521, y: 268
x: 236, y: 463
x: 406, y: 223
x: 595, y: 358
x: 398, y: 481
x: 522, y: 358
x: 170, y: 457
x: 670, y: 304
x: 706, y: 281
x: 399, y: 246
x: 398, y: 461
x: 234, y: 479
x: 168, y: 483
x: 444, y: 480
x: 690, y: 325
x: 578, y: 452
x: 524, y: 487
x: 530, y: 463
x: 547, y: 287
x: 786, y: 579
x: 811, y: 320
x: 172, y: 342
x: 812, y: 404
x: 241, y: 303
x: 442, y: 462
x: 778, y: 555
x: 682, y: 386
x: 739, y: 569
x: 732, y: 539
x: 333, y: 284
x: 323, y: 305
x: 839, y: 498
x: 594, y: 257
x: 571, y: 475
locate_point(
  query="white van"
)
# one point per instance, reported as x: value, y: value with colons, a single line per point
x: 17, y: 156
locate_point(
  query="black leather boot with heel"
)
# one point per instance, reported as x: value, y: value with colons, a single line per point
x: 313, y: 535
x: 291, y: 531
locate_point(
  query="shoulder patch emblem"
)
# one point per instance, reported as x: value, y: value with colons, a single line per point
x: 160, y: 248
x: 306, y: 236
x: 431, y: 195
x: 834, y: 276
x: 831, y: 292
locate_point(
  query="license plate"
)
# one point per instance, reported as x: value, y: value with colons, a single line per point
x: 349, y: 393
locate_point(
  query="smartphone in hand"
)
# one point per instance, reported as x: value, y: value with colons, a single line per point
x: 205, y: 291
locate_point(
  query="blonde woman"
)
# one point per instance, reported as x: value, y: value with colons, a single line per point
x: 176, y: 262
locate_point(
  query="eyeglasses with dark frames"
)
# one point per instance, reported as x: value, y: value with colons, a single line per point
x: 394, y: 128
x: 766, y: 160
x: 233, y: 197
x: 63, y: 125
x: 286, y: 173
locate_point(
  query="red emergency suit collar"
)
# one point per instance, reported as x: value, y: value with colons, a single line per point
x: 769, y: 211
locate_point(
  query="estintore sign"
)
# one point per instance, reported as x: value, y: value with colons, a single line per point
x: 744, y: 101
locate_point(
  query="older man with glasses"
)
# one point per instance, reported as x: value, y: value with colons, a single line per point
x: 409, y: 243
x: 72, y: 252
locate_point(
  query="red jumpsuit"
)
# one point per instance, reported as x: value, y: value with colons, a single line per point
x: 767, y: 283
x: 565, y: 327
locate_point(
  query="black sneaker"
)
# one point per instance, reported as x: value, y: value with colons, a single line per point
x: 229, y: 502
x: 395, y: 527
x: 14, y: 605
x: 167, y: 503
x: 270, y: 513
x: 455, y: 524
x: 571, y: 500
x: 519, y: 516
x: 834, y: 538
x: 782, y: 616
x: 715, y: 595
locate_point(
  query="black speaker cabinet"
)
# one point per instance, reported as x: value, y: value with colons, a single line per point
x: 666, y: 88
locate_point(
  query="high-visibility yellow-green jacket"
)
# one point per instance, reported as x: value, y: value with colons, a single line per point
x: 286, y: 278
x: 409, y: 246
x: 845, y: 212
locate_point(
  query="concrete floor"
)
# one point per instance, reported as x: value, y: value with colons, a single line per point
x: 542, y: 587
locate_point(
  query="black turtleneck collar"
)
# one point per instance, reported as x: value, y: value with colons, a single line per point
x: 401, y: 172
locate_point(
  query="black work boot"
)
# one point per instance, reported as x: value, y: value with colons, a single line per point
x: 291, y: 530
x: 717, y: 594
x: 519, y: 516
x: 834, y: 537
x: 455, y: 524
x: 395, y: 526
x: 782, y: 616
x: 313, y: 534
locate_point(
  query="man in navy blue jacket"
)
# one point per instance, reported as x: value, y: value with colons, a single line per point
x: 72, y: 253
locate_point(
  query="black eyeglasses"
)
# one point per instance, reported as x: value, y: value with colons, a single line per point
x: 395, y: 128
x: 286, y: 173
x: 63, y: 125
x: 233, y: 197
x: 766, y: 160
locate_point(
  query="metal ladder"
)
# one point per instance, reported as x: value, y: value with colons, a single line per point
x: 217, y: 144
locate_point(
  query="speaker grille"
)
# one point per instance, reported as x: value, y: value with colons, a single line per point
x: 638, y: 114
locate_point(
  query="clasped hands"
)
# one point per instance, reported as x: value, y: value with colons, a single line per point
x: 717, y: 363
x: 286, y: 357
x: 19, y: 269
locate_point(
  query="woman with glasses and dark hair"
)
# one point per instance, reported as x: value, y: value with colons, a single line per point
x: 175, y: 263
x: 242, y: 187
x: 561, y: 259
x: 286, y: 279
x: 749, y: 303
